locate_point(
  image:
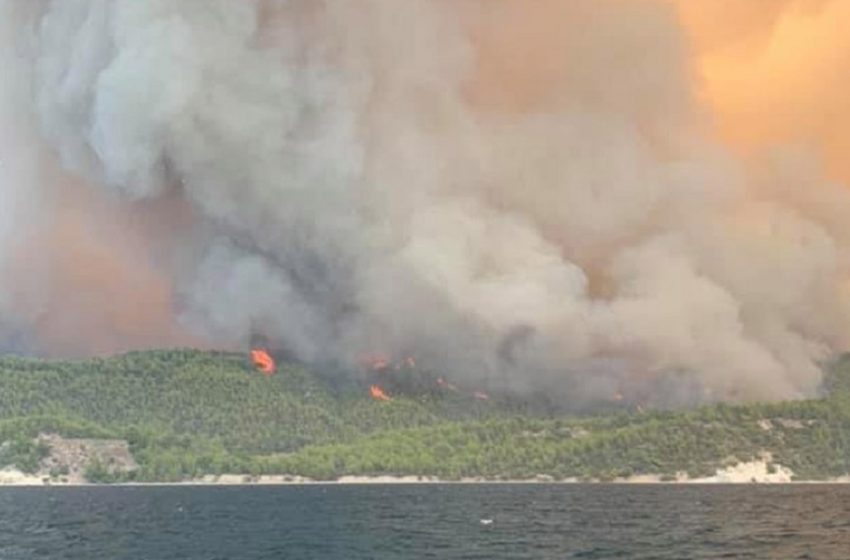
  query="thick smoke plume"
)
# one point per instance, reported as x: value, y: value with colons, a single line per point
x: 589, y: 197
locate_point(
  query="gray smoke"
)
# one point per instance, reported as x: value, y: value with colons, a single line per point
x: 532, y: 203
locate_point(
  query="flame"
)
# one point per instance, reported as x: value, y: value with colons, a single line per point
x: 263, y: 361
x: 381, y: 362
x: 378, y: 394
x: 478, y: 395
x: 375, y: 362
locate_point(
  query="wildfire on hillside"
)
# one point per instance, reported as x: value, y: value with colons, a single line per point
x: 263, y: 361
x: 378, y: 394
x: 381, y: 363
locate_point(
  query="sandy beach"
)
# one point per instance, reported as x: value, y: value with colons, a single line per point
x: 751, y: 472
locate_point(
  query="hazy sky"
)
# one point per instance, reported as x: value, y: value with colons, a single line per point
x: 599, y: 196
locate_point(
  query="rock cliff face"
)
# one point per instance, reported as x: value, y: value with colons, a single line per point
x: 69, y: 458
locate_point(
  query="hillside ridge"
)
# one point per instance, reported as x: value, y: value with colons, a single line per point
x: 187, y: 414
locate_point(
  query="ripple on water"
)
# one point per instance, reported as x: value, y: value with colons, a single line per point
x: 425, y: 521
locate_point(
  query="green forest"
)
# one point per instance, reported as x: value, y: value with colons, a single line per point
x: 188, y: 413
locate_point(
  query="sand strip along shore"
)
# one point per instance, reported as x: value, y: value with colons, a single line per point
x: 759, y: 472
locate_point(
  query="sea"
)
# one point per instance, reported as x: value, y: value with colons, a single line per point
x: 441, y: 521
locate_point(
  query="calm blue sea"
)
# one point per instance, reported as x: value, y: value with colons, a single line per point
x: 425, y: 521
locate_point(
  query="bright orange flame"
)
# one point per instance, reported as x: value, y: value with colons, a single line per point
x: 262, y: 361
x: 378, y: 394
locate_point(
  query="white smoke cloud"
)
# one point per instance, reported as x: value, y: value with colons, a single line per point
x: 366, y: 178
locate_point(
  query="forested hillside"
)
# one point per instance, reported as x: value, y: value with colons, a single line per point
x: 187, y: 413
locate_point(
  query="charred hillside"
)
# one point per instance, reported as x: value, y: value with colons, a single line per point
x: 187, y: 413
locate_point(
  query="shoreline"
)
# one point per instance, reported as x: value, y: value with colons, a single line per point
x: 751, y: 472
x: 378, y: 481
x: 407, y: 481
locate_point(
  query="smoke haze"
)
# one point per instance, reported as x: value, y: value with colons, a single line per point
x: 591, y: 197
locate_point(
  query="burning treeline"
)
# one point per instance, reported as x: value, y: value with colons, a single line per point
x: 593, y: 197
x: 263, y: 361
x: 404, y: 375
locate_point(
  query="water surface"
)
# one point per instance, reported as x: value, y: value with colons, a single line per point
x: 425, y: 521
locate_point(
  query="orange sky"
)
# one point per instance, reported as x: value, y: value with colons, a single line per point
x: 90, y: 282
x: 776, y: 71
x: 772, y: 72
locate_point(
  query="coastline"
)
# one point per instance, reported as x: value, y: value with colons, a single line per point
x: 752, y: 472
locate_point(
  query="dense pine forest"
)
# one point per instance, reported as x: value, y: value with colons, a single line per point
x: 188, y: 413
